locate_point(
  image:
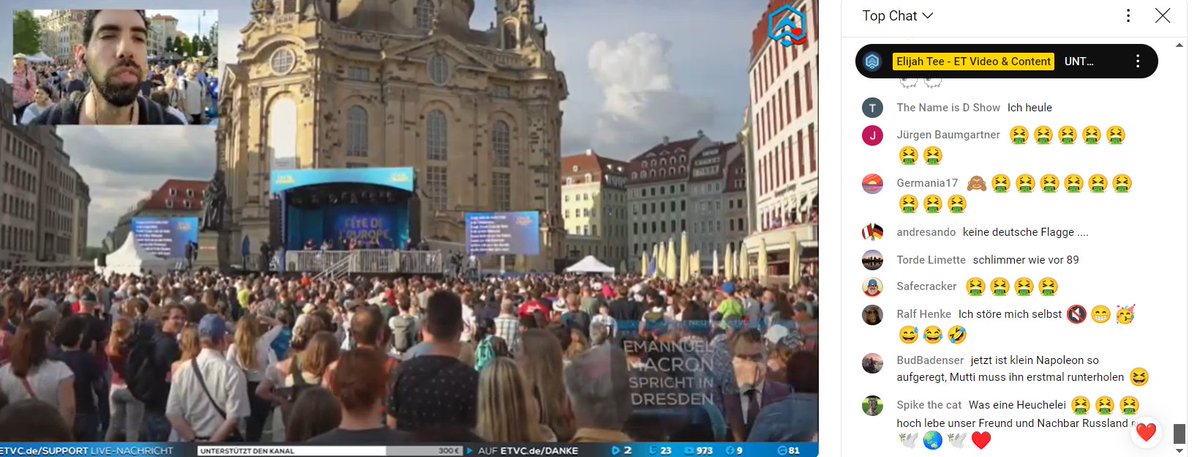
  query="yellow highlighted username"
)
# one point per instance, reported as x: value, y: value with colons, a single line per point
x: 973, y: 61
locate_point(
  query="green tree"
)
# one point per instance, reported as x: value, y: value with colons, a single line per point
x: 27, y: 33
x: 185, y: 47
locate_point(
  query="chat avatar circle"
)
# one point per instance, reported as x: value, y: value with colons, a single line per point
x: 1049, y: 184
x: 1080, y: 406
x: 1025, y: 183
x: 1018, y: 134
x: 975, y: 287
x: 1139, y: 377
x: 872, y: 183
x: 933, y: 204
x: 977, y: 183
x: 1100, y: 314
x: 933, y: 334
x: 908, y: 204
x: 933, y: 155
x: 957, y: 334
x: 957, y: 203
x: 1000, y: 287
x: 872, y: 405
x: 1116, y: 135
x: 1104, y: 406
x: 1042, y: 134
x: 1098, y: 183
x: 932, y: 440
x: 1091, y: 135
x: 1074, y: 183
x: 908, y: 334
x: 1066, y: 135
x: 1048, y: 287
x: 1129, y: 406
x: 908, y: 155
x: 1122, y: 183
x: 1000, y: 184
x: 1024, y: 287
x: 872, y: 287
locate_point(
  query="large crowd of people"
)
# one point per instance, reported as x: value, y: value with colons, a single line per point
x: 205, y: 357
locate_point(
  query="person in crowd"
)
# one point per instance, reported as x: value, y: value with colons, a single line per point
x: 360, y: 385
x: 507, y: 323
x: 42, y: 102
x: 575, y: 318
x: 88, y: 379
x: 73, y: 84
x: 164, y: 101
x: 601, y: 398
x: 127, y: 411
x: 448, y: 386
x: 623, y: 309
x: 743, y: 405
x: 317, y: 412
x: 251, y: 352
x: 33, y: 421
x: 32, y: 374
x: 404, y: 328
x: 24, y: 84
x: 793, y: 419
x: 304, y: 370
x: 208, y: 396
x: 541, y: 361
x: 507, y: 409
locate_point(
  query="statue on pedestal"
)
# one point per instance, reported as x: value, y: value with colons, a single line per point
x: 214, y: 204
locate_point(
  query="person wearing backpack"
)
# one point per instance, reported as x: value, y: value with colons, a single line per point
x: 404, y: 327
x: 149, y: 355
x: 574, y: 318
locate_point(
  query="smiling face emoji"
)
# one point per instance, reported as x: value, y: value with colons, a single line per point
x: 957, y: 334
x: 933, y: 155
x: 1042, y: 134
x: 933, y: 204
x: 1129, y: 406
x: 908, y: 334
x: 958, y: 204
x: 1080, y: 405
x: 1049, y: 184
x: 1091, y: 134
x: 975, y: 287
x: 1000, y: 287
x: 1024, y: 287
x: 933, y: 334
x: 1000, y: 183
x: 1074, y: 183
x: 1125, y: 315
x: 1100, y: 314
x: 1104, y: 406
x: 1098, y: 183
x: 1122, y: 183
x: 1066, y: 135
x: 1139, y: 377
x: 908, y: 204
x: 1116, y: 135
x: 908, y: 155
x: 1048, y: 287
x: 977, y: 183
x: 1025, y: 184
x: 1018, y: 134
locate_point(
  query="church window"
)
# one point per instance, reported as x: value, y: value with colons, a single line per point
x: 435, y: 136
x: 439, y: 70
x: 356, y: 132
x: 282, y: 61
x: 436, y: 181
x: 425, y: 14
x: 500, y: 143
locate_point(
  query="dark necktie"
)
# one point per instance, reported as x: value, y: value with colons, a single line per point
x: 752, y: 412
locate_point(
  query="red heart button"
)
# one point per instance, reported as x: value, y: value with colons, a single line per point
x: 1146, y: 431
x: 981, y: 439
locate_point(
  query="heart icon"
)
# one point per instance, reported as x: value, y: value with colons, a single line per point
x: 981, y: 439
x: 1146, y: 431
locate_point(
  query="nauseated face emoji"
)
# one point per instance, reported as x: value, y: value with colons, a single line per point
x: 1074, y: 183
x: 908, y: 155
x: 1048, y: 287
x: 975, y: 287
x: 1098, y: 183
x: 1080, y: 405
x: 1018, y: 134
x: 1129, y: 406
x: 1025, y: 184
x: 933, y: 334
x: 1042, y: 134
x: 1000, y: 287
x: 1024, y: 287
x: 908, y: 204
x: 933, y: 155
x: 1000, y: 183
x: 1049, y: 184
x: 1122, y: 183
x: 1066, y: 135
x: 908, y: 334
x: 1091, y: 135
x: 933, y: 204
x: 1116, y: 135
x: 1104, y: 406
x: 958, y: 204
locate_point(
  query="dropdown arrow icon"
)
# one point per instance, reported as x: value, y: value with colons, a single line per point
x: 927, y: 15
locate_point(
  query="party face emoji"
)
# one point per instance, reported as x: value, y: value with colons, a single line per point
x: 1122, y: 183
x: 1129, y: 406
x: 872, y: 287
x: 1074, y: 183
x: 908, y: 155
x: 1104, y: 406
x: 1042, y: 134
x: 957, y: 204
x: 1000, y: 183
x: 1098, y: 183
x: 1125, y: 315
x: 1100, y: 314
x: 1000, y: 287
x: 933, y: 155
x: 1139, y: 377
x: 1048, y: 287
x: 933, y: 204
x: 957, y: 334
x: 1116, y: 135
x: 975, y: 287
x: 1024, y: 287
x: 1018, y: 134
x: 977, y: 183
x: 1080, y: 405
x: 1091, y: 135
x: 908, y: 204
x: 908, y: 334
x: 1049, y: 184
x: 1025, y: 184
x: 1066, y: 135
x: 933, y: 334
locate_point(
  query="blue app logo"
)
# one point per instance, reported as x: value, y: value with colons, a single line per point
x: 872, y: 61
x: 786, y: 26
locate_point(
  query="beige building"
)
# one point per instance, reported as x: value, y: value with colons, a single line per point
x: 43, y: 201
x: 162, y: 27
x: 404, y: 83
x: 594, y: 208
x: 61, y: 31
x: 658, y: 194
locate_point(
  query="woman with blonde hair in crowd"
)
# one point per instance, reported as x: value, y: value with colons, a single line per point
x: 251, y: 351
x: 507, y: 411
x: 541, y: 361
x: 287, y: 380
x: 127, y: 411
x: 189, y: 348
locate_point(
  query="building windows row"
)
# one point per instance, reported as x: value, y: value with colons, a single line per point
x: 501, y: 191
x: 663, y: 190
x: 435, y: 184
x: 16, y: 238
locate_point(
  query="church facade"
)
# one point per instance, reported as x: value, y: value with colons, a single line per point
x: 397, y: 83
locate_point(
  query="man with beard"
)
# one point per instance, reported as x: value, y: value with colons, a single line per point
x: 114, y: 53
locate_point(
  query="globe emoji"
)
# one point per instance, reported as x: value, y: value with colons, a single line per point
x: 933, y: 440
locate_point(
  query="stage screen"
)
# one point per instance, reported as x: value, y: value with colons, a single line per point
x: 166, y: 237
x: 366, y: 224
x: 515, y: 233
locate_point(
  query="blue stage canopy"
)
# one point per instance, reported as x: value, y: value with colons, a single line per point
x: 398, y: 178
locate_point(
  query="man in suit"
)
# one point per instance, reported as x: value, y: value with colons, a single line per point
x: 742, y: 404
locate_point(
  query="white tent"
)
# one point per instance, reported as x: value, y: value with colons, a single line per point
x: 589, y: 264
x: 40, y: 57
x: 132, y: 259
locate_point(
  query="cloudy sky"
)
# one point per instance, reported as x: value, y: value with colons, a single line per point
x: 191, y: 22
x: 637, y: 70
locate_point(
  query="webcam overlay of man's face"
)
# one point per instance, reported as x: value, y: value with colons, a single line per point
x: 115, y: 55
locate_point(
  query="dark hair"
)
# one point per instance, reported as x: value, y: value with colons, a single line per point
x: 29, y: 348
x: 33, y: 420
x: 360, y: 380
x: 316, y: 411
x: 802, y: 371
x: 161, y: 98
x: 367, y: 325
x: 175, y: 307
x: 444, y: 316
x: 89, y: 24
x: 528, y: 321
x: 70, y: 330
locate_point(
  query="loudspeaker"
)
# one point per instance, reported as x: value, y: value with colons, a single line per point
x: 276, y: 236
